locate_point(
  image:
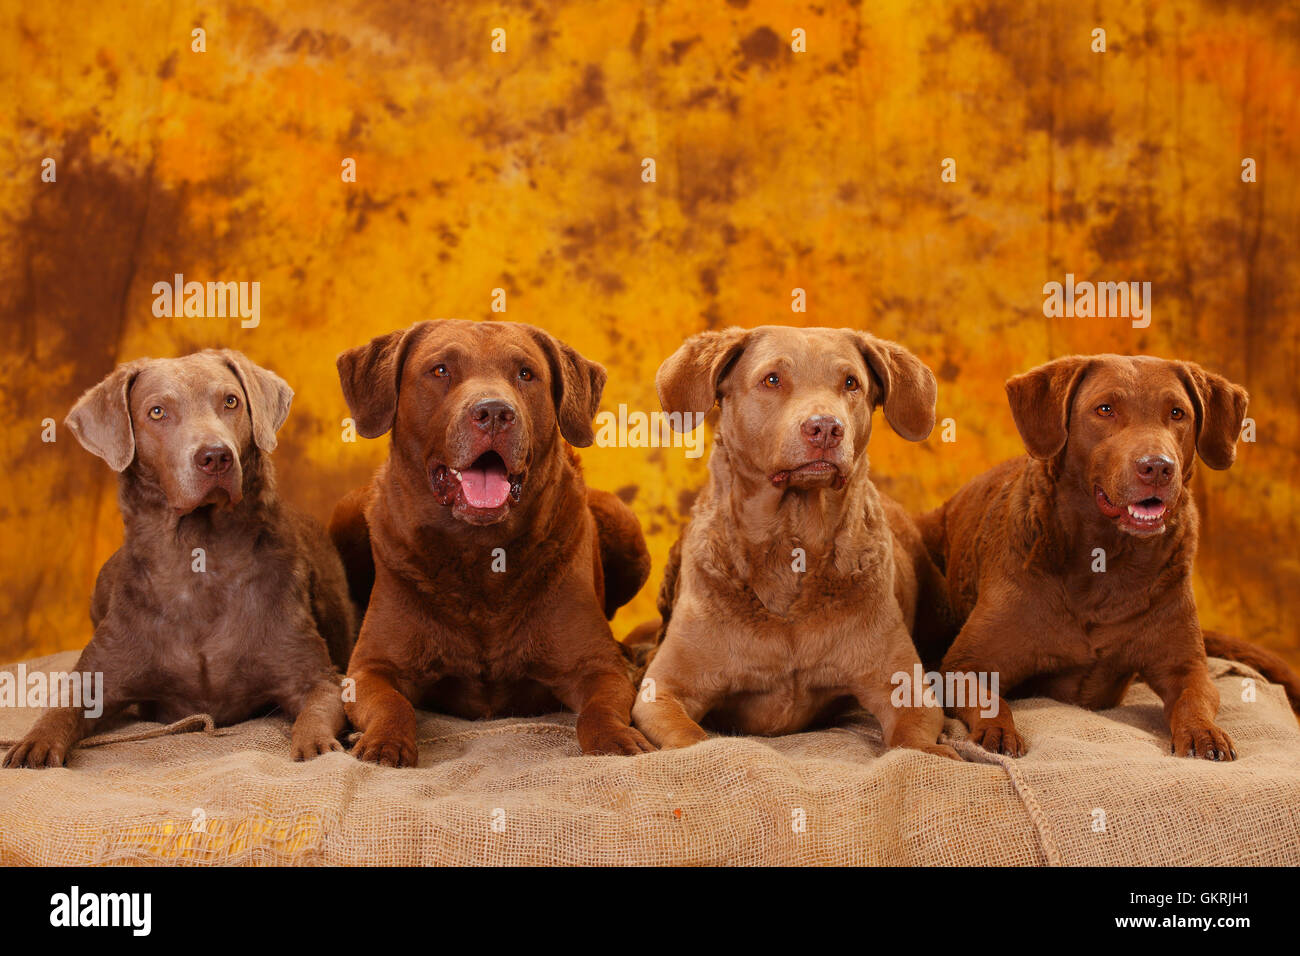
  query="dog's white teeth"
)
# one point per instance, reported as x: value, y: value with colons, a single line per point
x: 457, y: 474
x: 1131, y: 511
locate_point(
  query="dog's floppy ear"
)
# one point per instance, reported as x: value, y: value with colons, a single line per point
x: 688, y: 380
x: 1040, y: 403
x: 101, y: 419
x: 269, y: 397
x: 370, y: 375
x: 908, y: 390
x: 576, y: 387
x: 1220, y: 408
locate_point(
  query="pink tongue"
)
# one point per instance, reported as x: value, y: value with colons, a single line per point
x: 486, y: 487
x: 1149, y: 511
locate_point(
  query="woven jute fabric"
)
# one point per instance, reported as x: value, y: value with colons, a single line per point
x: 1095, y: 788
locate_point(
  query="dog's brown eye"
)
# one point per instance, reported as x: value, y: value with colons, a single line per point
x: 1177, y: 414
x: 773, y: 380
x: 525, y: 374
x: 157, y: 413
x: 232, y: 401
x: 1105, y: 411
x: 851, y: 384
x: 439, y: 371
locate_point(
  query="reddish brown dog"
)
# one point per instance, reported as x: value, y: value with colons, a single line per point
x: 1112, y: 441
x: 264, y: 620
x: 796, y: 586
x: 494, y: 567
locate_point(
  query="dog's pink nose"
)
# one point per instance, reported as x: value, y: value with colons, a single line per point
x: 823, y: 431
x: 213, y: 459
x: 1155, y: 470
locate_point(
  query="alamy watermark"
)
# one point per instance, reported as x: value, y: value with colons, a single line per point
x: 635, y: 429
x: 1086, y: 300
x: 83, y: 690
x: 949, y: 689
x: 212, y: 300
x: 75, y: 908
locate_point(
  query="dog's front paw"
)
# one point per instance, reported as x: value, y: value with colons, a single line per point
x: 941, y: 750
x: 679, y: 737
x: 307, y: 745
x: 1202, y: 740
x: 999, y: 738
x: 35, y: 753
x: 609, y: 737
x: 385, y: 750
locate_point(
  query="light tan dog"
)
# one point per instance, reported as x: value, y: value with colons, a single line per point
x: 798, y: 582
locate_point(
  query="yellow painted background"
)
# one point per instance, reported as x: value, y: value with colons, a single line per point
x: 521, y: 170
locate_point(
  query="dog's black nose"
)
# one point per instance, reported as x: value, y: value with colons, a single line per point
x: 213, y: 459
x: 492, y: 415
x: 1154, y: 470
x: 823, y: 431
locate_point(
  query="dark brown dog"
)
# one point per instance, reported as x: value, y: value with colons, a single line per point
x: 794, y: 589
x: 251, y: 622
x: 494, y: 567
x: 1112, y: 441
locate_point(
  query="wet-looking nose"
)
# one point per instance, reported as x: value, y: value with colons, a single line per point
x: 1154, y: 470
x: 823, y: 431
x: 213, y: 459
x: 492, y: 415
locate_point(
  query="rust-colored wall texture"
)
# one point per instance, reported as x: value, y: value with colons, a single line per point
x: 522, y: 170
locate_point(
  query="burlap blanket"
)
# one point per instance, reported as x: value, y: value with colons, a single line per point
x: 1095, y: 788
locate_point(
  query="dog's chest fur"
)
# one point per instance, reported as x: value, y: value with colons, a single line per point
x: 201, y: 607
x: 796, y: 621
x: 1107, y: 588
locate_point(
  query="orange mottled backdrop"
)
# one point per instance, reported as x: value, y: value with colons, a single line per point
x: 522, y: 170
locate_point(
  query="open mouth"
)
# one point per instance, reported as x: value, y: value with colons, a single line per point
x: 1143, y: 517
x: 482, y: 489
x: 811, y: 473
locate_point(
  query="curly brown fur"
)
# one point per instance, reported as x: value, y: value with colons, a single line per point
x: 1112, y: 444
x: 484, y: 602
x: 791, y: 594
